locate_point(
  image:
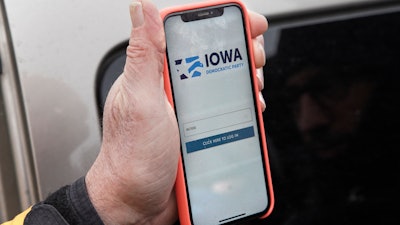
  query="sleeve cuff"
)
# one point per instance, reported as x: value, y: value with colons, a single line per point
x: 70, y: 203
x: 82, y: 205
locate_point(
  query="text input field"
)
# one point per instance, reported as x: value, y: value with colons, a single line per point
x: 217, y: 122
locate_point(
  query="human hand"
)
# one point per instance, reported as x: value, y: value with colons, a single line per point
x: 132, y: 179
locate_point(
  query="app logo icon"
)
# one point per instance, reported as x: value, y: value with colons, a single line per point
x: 193, y: 63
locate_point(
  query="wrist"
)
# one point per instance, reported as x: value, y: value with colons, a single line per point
x: 102, y: 192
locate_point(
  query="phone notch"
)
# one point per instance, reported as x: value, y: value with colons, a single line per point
x: 202, y: 14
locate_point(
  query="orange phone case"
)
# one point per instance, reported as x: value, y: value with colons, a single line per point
x: 180, y: 184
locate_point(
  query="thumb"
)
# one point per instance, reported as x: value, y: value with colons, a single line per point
x: 140, y: 88
x: 146, y: 45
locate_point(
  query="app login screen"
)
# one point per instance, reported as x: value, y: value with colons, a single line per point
x: 215, y: 108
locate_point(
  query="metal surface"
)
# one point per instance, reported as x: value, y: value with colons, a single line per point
x: 17, y: 179
x: 9, y: 198
x: 58, y: 47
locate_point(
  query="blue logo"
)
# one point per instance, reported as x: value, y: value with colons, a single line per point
x: 194, y: 63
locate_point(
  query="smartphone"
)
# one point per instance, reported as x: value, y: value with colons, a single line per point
x: 223, y: 176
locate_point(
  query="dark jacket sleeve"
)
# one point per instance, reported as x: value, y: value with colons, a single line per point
x: 73, y: 204
x: 69, y: 205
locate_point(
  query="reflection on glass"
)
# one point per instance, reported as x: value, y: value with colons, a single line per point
x: 332, y: 120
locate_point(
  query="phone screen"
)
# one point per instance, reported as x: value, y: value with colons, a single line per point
x: 215, y: 106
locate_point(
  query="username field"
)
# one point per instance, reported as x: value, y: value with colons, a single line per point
x: 217, y: 122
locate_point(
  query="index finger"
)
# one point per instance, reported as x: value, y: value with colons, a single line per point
x: 258, y: 24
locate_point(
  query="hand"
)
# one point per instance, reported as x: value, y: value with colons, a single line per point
x: 132, y: 179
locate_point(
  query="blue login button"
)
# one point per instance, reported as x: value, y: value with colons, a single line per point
x: 219, y: 139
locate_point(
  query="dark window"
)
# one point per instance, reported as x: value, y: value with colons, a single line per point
x: 332, y: 120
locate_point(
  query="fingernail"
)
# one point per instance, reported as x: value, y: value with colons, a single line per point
x: 260, y: 39
x: 261, y: 48
x: 136, y: 11
x: 260, y: 75
x: 263, y: 105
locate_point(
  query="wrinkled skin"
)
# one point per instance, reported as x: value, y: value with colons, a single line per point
x: 132, y: 179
